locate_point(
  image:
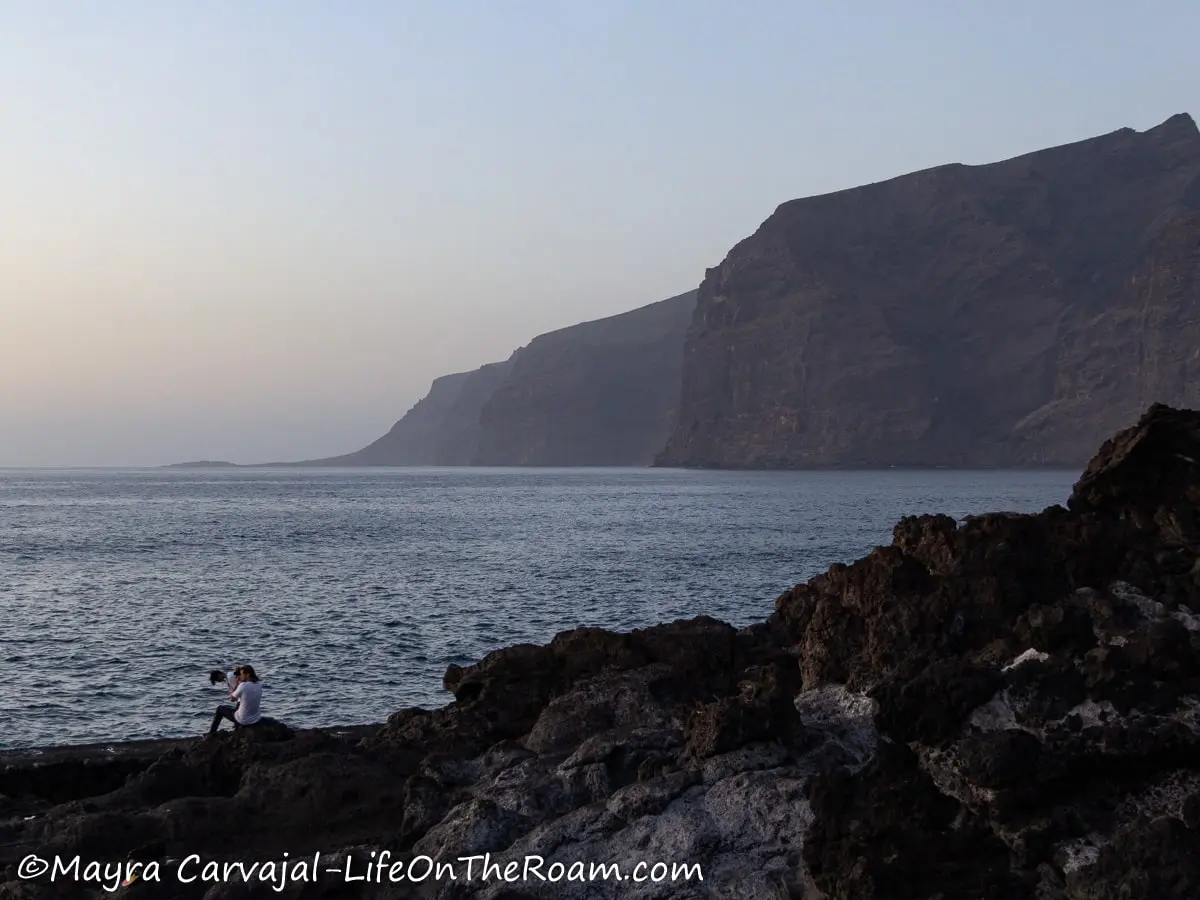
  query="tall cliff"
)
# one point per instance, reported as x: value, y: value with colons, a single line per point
x: 1006, y: 314
x: 442, y: 428
x: 596, y: 394
x: 458, y: 437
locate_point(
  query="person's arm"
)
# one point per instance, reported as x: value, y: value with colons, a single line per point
x: 236, y: 693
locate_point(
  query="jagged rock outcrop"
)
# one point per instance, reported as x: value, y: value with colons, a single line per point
x: 1037, y: 688
x: 1002, y: 708
x: 1015, y: 313
x: 596, y: 394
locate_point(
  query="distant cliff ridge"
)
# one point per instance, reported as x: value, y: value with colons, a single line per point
x: 413, y: 440
x: 1010, y: 314
x: 1005, y: 314
x: 459, y: 435
x: 596, y: 394
x: 442, y: 428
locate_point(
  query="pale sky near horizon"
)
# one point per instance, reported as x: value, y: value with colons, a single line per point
x: 258, y: 231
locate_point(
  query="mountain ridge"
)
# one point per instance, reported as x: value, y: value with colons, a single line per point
x: 1002, y: 314
x: 594, y: 394
x: 621, y: 374
x: 921, y: 319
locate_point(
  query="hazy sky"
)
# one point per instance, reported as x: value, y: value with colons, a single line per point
x: 257, y: 231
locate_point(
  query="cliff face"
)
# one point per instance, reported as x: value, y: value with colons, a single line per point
x: 596, y: 394
x: 412, y: 441
x: 1005, y: 314
x: 442, y: 428
x: 458, y: 436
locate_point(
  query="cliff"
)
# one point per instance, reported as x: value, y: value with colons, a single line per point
x: 596, y: 394
x: 413, y: 440
x: 1005, y: 314
x: 459, y: 435
x: 442, y: 428
x: 1004, y: 708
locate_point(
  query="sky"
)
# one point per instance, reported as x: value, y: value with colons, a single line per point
x: 257, y: 231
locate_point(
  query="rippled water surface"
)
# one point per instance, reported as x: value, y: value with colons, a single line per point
x: 350, y: 591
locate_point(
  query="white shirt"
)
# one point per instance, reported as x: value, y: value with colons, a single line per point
x: 248, y: 694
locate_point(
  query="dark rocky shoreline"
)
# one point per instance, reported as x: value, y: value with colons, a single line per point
x: 1007, y: 707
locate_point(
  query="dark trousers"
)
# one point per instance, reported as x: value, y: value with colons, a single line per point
x: 223, y: 712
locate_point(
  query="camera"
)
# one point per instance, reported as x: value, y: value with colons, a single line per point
x: 216, y: 676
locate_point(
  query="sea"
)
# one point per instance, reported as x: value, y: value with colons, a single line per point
x: 350, y: 591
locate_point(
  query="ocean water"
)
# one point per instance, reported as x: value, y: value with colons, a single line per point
x: 350, y: 591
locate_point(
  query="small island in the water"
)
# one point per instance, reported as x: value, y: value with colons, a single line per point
x: 202, y: 464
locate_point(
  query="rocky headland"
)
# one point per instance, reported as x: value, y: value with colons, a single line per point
x: 1009, y: 314
x: 599, y: 393
x: 442, y: 428
x: 1000, y: 708
x: 596, y: 394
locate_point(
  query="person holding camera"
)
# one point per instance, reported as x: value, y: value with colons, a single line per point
x: 246, y: 692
